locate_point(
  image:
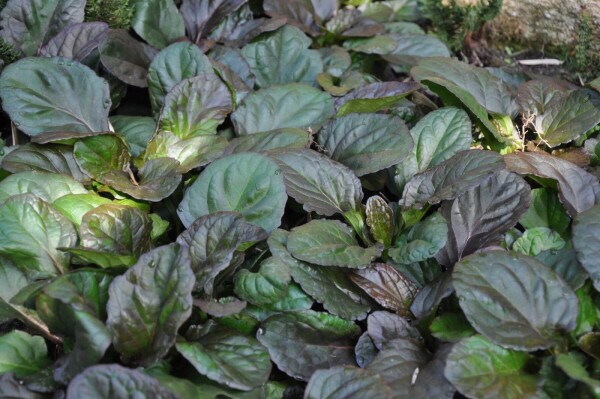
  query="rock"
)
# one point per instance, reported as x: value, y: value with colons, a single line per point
x: 547, y: 23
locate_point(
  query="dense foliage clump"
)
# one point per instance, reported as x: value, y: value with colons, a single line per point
x: 289, y: 199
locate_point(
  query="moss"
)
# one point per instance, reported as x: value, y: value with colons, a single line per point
x: 116, y: 13
x: 453, y: 20
x: 585, y: 59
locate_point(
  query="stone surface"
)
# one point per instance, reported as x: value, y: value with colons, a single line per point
x: 548, y: 23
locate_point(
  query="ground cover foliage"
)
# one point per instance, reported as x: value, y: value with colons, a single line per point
x: 295, y: 199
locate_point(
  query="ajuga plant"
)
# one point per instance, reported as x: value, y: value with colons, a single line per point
x: 453, y: 20
x: 297, y: 200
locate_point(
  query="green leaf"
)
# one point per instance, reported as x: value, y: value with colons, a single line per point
x: 105, y: 260
x: 136, y: 130
x: 126, y: 58
x: 586, y: 240
x: 569, y: 117
x: 267, y: 286
x: 172, y: 65
x: 295, y: 299
x: 479, y: 216
x: 480, y: 369
x: 76, y: 41
x: 515, y: 300
x: 367, y: 143
x: 318, y: 183
x: 451, y: 178
x: 229, y: 358
x: 158, y: 22
x: 329, y: 243
x: 191, y: 153
x: 72, y: 306
x: 30, y: 24
x: 279, y: 139
x: 48, y: 95
x: 101, y: 156
x: 411, y: 49
x: 116, y: 229
x: 292, y: 105
x: 12, y: 280
x: 330, y: 286
x: 30, y: 232
x: 390, y: 288
x: 196, y: 106
x: 345, y: 383
x: 149, y: 303
x: 116, y: 382
x: 302, y: 342
x: 247, y: 183
x: 74, y: 206
x: 451, y: 327
x: 438, y: 136
x: 423, y: 241
x: 570, y: 363
x: 380, y: 219
x: 545, y: 211
x: 283, y: 57
x: 538, y: 239
x: 22, y: 353
x: 215, y: 242
x: 374, y: 97
x: 476, y: 89
x: 578, y: 189
x: 47, y: 186
x: 565, y: 263
x: 52, y: 158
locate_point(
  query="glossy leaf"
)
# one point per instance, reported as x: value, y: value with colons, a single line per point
x: 30, y: 24
x: 422, y: 241
x: 578, y: 189
x: 229, y: 358
x: 283, y: 57
x: 380, y: 219
x: 52, y: 158
x: 248, y: 183
x: 300, y: 343
x: 438, y: 136
x: 318, y: 183
x: 135, y: 130
x: 533, y: 241
x: 267, y: 286
x: 213, y: 242
x: 173, y: 64
x: 586, y: 233
x: 346, y: 382
x: 116, y: 229
x: 329, y: 243
x: 545, y: 211
x: 126, y: 58
x: 367, y: 143
x: 117, y: 382
x: 387, y: 286
x: 478, y: 217
x: 158, y: 22
x: 44, y: 95
x: 76, y: 41
x: 478, y: 368
x: 330, y: 286
x: 196, y: 106
x: 22, y: 353
x: 451, y: 178
x: 31, y: 232
x: 202, y: 16
x: 514, y: 300
x: 292, y: 105
x: 279, y: 139
x: 149, y: 303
